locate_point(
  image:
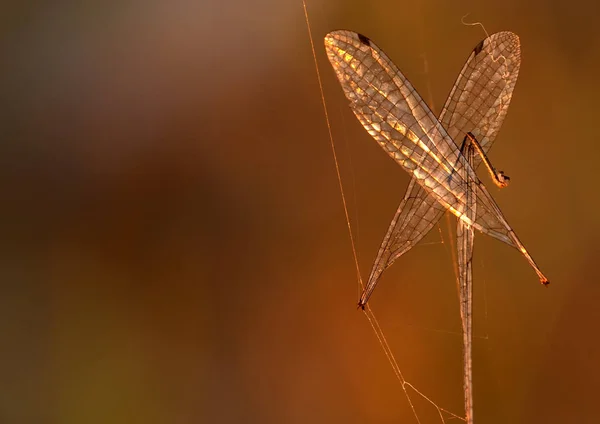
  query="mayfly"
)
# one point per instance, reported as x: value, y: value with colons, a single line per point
x: 443, y: 174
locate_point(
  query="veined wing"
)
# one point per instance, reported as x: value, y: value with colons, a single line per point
x: 478, y: 103
x: 394, y: 114
x: 479, y: 99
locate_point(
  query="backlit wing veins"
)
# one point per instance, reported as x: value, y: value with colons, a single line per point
x: 393, y: 113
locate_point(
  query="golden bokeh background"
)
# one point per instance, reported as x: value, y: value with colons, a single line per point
x: 174, y: 244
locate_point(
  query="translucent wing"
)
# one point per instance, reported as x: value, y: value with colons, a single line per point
x: 479, y: 99
x: 478, y: 104
x: 394, y: 114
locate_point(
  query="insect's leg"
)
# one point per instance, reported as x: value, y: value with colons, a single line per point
x: 498, y: 177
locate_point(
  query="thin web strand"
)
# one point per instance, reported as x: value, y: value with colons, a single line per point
x: 337, y: 166
x: 392, y: 359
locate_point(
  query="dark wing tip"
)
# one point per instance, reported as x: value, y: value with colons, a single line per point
x: 545, y: 283
x: 364, y: 39
x: 478, y: 48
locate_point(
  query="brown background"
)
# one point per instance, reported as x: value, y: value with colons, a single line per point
x: 174, y: 249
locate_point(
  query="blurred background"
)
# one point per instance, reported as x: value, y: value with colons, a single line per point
x: 174, y: 247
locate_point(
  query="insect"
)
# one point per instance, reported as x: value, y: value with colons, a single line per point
x: 396, y: 116
x: 443, y: 174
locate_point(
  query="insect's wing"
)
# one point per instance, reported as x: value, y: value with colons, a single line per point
x: 417, y: 214
x: 478, y: 103
x: 479, y: 99
x: 390, y: 109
